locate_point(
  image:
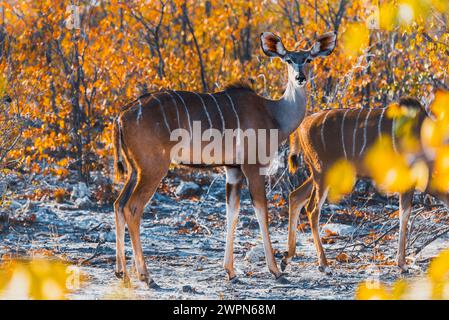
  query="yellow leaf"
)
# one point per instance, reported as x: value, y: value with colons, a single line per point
x: 388, y: 169
x: 387, y: 16
x: 340, y: 179
x: 438, y: 273
x: 420, y: 175
x: 368, y: 291
x: 440, y: 105
x: 355, y: 38
x: 440, y: 174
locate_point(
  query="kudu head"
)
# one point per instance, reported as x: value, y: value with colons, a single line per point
x: 297, y: 61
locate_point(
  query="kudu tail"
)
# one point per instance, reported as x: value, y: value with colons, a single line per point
x: 119, y: 166
x: 293, y: 156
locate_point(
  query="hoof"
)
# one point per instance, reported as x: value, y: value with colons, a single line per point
x: 325, y: 269
x: 282, y: 279
x: 284, y: 261
x: 283, y: 265
x: 119, y: 274
x: 153, y: 285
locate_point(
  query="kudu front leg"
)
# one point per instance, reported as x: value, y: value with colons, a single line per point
x: 297, y: 200
x: 313, y: 212
x: 256, y: 186
x: 234, y: 178
x: 405, y: 208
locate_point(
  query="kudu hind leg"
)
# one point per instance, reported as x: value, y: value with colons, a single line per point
x: 122, y: 199
x: 234, y: 178
x: 297, y: 200
x: 147, y: 184
x: 405, y: 208
x: 256, y: 186
x: 313, y: 212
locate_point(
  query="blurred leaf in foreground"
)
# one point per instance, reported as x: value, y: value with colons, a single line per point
x: 389, y: 169
x: 434, y: 286
x: 355, y: 39
x: 340, y: 180
x: 37, y: 279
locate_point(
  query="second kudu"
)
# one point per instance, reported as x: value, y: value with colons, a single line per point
x: 327, y: 136
x: 142, y: 139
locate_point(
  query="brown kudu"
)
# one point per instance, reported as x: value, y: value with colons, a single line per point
x: 328, y: 136
x: 142, y: 139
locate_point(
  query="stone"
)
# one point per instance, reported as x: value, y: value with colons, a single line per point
x: 80, y: 191
x: 340, y: 229
x: 83, y: 203
x: 256, y: 254
x: 107, y: 236
x: 46, y: 215
x: 188, y: 289
x: 188, y: 189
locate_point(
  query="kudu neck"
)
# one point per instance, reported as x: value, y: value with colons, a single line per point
x: 290, y: 109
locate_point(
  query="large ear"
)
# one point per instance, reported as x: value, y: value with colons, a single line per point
x: 324, y: 45
x: 272, y: 45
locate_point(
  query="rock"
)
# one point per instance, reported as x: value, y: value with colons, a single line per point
x: 188, y: 189
x: 80, y: 191
x: 107, y: 236
x: 334, y: 207
x: 46, y: 215
x: 256, y: 254
x: 391, y: 207
x: 87, y: 222
x: 83, y: 203
x: 340, y: 229
x: 249, y: 223
x: 188, y: 289
x: 163, y: 199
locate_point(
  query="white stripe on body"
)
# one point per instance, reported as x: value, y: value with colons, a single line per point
x: 355, y: 131
x: 139, y: 112
x: 323, y: 142
x: 176, y: 105
x: 187, y: 112
x: 163, y: 113
x: 221, y: 114
x: 364, y: 132
x: 379, y: 125
x: 342, y: 133
x: 119, y: 137
x: 205, y: 109
x: 237, y: 116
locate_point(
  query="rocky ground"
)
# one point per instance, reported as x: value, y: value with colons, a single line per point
x: 183, y: 239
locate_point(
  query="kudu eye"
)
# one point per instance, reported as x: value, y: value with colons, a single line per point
x: 288, y: 60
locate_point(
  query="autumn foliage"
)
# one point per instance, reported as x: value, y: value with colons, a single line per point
x: 68, y: 67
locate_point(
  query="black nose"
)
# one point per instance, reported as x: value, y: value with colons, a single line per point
x: 300, y: 78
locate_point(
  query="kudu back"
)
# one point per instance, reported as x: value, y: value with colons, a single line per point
x: 143, y: 143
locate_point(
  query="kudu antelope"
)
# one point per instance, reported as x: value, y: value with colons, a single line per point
x: 142, y: 138
x: 328, y: 136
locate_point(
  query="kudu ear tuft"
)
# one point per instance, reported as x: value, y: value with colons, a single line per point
x: 272, y: 45
x: 324, y: 45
